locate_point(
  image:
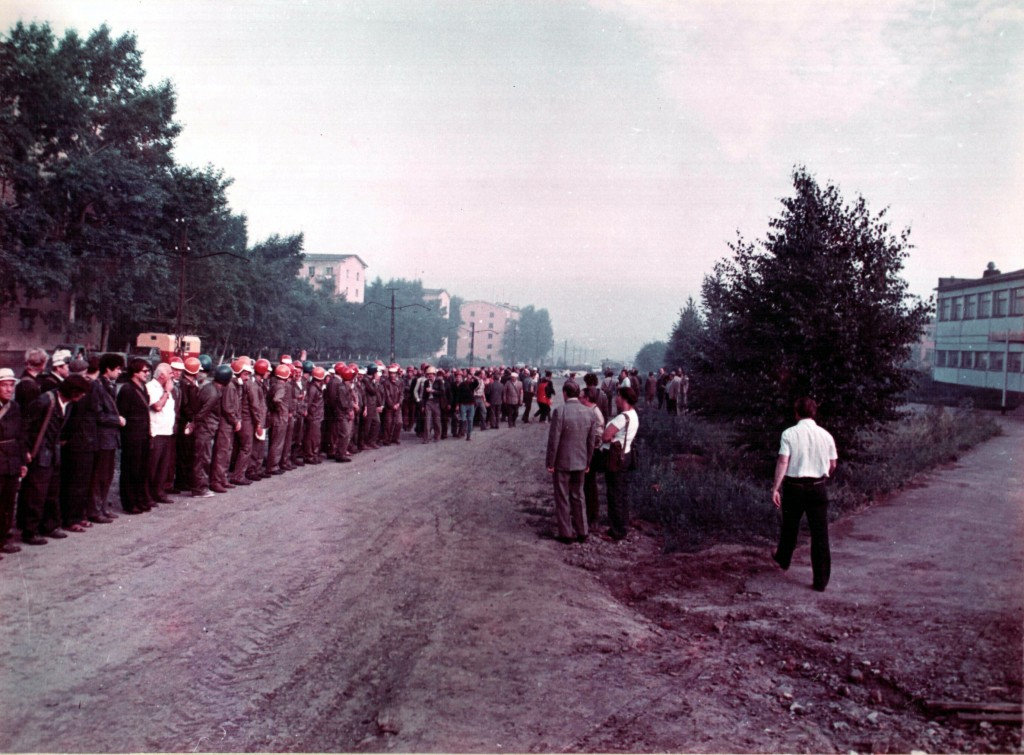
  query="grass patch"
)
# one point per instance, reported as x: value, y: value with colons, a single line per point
x: 701, y: 487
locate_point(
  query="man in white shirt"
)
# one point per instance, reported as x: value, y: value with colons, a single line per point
x: 162, y: 408
x: 807, y: 458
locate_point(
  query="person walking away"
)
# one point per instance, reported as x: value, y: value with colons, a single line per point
x: 529, y: 390
x: 572, y: 437
x: 545, y: 392
x: 807, y: 459
x: 512, y: 398
x: 621, y: 428
x: 465, y: 396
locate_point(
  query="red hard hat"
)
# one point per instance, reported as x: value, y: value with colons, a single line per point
x: 262, y: 366
x: 319, y: 373
x: 296, y: 369
x: 238, y: 364
x: 285, y: 359
x: 339, y: 367
x: 283, y: 371
x: 347, y: 372
x: 192, y: 365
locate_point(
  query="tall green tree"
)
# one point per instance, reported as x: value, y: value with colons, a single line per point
x: 528, y: 339
x: 686, y: 341
x: 420, y: 327
x: 85, y: 149
x: 816, y: 308
x: 651, y: 356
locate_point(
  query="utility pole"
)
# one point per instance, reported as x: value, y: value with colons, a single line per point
x: 565, y: 352
x: 393, y: 309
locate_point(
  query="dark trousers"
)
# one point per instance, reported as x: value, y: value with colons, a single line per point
x: 8, y: 494
x: 184, y: 459
x: 311, y: 440
x: 371, y: 427
x: 222, y: 445
x: 278, y: 429
x: 202, y: 459
x: 243, y: 451
x: 342, y: 436
x: 391, y: 425
x: 511, y: 414
x: 543, y: 411
x: 103, y: 463
x: 75, y: 485
x: 134, y: 470
x: 493, y: 415
x: 810, y: 499
x: 590, y: 496
x: 528, y: 404
x: 161, y: 461
x: 39, y: 502
x: 617, y: 487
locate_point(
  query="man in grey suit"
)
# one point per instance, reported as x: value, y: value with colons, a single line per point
x: 572, y: 438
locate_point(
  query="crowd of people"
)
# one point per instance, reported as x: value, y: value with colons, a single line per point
x: 185, y: 428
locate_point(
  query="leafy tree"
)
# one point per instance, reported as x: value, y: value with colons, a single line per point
x: 817, y: 308
x: 650, y: 357
x: 530, y: 338
x: 685, y: 343
x: 85, y: 148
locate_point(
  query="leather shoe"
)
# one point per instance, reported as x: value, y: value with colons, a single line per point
x: 9, y: 548
x: 242, y: 481
x: 57, y: 534
x: 218, y: 489
x: 202, y: 494
x: 164, y: 499
x: 34, y: 540
x: 565, y: 540
x: 277, y: 472
x: 76, y: 528
x: 100, y: 520
x: 110, y: 515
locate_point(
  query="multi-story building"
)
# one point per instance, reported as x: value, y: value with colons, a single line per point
x: 43, y: 322
x: 482, y: 330
x: 344, y: 273
x: 979, y: 332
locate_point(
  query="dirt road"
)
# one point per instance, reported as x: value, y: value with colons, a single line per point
x: 412, y: 601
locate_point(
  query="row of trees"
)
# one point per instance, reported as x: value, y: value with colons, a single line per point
x: 818, y: 307
x: 93, y: 202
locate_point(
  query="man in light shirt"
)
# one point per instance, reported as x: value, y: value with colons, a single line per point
x: 807, y: 458
x: 162, y: 416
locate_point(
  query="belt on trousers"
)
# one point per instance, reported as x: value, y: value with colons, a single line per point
x: 805, y: 482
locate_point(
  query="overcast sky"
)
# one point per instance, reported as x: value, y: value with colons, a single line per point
x: 592, y: 158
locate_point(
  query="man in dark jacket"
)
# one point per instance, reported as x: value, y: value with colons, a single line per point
x: 573, y: 435
x: 78, y: 454
x: 102, y: 401
x: 28, y: 389
x: 39, y: 503
x: 133, y: 405
x: 204, y: 424
x: 12, y: 457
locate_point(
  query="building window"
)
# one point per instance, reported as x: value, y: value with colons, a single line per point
x: 958, y: 308
x: 329, y: 272
x: 312, y: 270
x: 945, y: 308
x: 491, y: 315
x: 490, y: 336
x: 970, y: 307
x: 995, y: 361
x: 981, y: 360
x: 952, y: 358
x: 967, y: 360
x: 940, y: 358
x: 1013, y: 362
x: 472, y: 313
x: 1000, y: 303
x: 985, y: 304
x: 1017, y: 302
x: 357, y: 276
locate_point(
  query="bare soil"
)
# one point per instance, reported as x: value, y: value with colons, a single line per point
x: 415, y: 601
